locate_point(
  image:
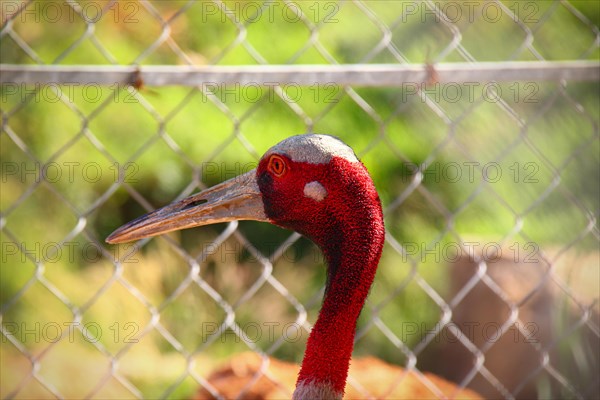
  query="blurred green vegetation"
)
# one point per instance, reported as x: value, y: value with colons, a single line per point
x: 161, y: 139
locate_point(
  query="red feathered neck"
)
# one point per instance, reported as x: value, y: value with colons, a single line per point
x: 348, y: 227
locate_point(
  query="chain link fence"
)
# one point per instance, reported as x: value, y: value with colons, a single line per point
x: 477, y: 119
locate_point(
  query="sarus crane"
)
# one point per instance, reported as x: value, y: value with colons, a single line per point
x: 315, y: 185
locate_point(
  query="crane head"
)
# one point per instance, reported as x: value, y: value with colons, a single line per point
x: 311, y: 183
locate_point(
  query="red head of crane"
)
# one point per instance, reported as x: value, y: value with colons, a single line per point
x: 315, y: 185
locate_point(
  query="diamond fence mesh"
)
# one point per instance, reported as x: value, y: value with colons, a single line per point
x: 490, y: 273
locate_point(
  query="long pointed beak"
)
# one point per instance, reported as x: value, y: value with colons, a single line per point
x: 236, y: 199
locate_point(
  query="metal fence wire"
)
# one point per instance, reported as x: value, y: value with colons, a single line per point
x: 478, y: 121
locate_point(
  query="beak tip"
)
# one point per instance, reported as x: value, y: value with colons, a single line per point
x: 113, y: 238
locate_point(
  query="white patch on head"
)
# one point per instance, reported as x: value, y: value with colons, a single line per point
x: 315, y: 191
x: 313, y: 148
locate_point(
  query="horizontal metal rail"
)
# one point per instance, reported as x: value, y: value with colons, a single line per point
x: 372, y: 75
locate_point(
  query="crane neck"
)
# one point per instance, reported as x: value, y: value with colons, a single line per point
x: 352, y: 248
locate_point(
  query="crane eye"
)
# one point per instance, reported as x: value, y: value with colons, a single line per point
x: 277, y: 165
